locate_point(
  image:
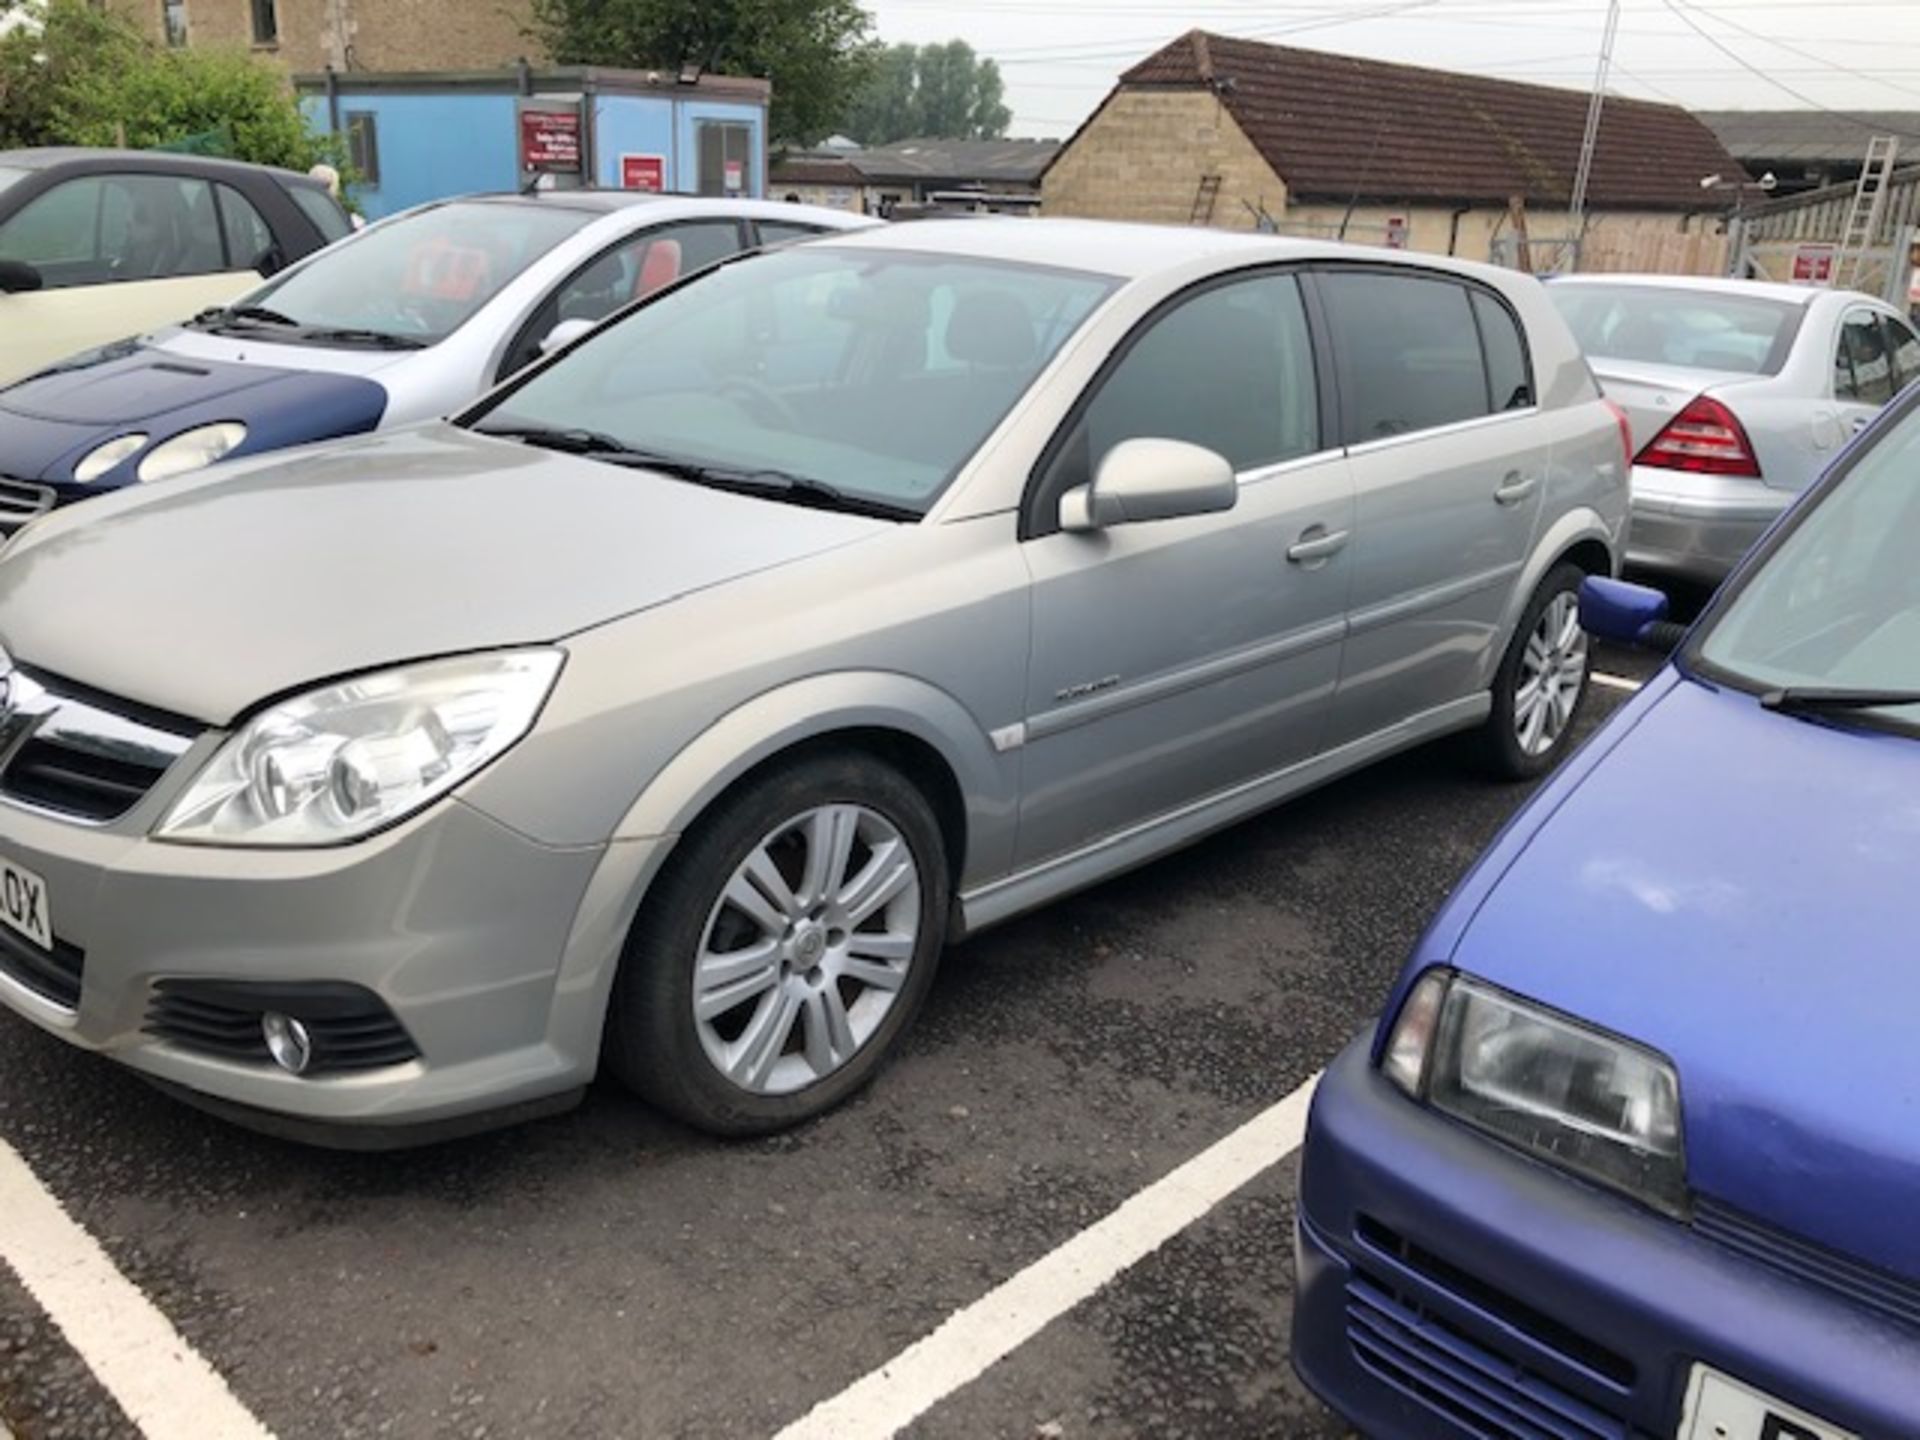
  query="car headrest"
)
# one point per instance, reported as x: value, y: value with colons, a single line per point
x: 990, y: 327
x: 659, y: 269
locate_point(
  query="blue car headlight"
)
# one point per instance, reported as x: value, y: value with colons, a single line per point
x: 1564, y: 1092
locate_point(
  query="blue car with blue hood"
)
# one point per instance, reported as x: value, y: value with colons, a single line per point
x: 1635, y: 1149
x: 406, y: 321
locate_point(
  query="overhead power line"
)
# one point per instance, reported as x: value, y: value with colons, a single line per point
x: 1681, y: 11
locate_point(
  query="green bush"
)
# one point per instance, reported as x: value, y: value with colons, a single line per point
x: 81, y: 76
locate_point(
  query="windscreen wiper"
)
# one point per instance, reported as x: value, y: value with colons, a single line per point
x: 223, y: 314
x: 794, y: 490
x: 379, y: 339
x: 1814, y: 700
x: 764, y: 483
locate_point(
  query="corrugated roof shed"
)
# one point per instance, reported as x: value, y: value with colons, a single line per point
x: 1810, y: 136
x: 1336, y: 127
x: 1004, y: 162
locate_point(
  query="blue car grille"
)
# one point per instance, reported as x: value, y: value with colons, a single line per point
x: 1432, y: 1362
x: 1865, y: 1285
x: 21, y: 502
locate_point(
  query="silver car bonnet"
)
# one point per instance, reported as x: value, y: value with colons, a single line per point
x: 205, y: 596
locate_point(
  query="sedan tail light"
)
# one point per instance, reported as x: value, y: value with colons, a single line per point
x: 1707, y: 438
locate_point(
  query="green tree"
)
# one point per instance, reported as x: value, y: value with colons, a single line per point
x: 74, y: 75
x: 944, y: 92
x: 815, y: 52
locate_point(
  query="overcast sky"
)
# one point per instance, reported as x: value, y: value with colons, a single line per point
x: 1061, y: 56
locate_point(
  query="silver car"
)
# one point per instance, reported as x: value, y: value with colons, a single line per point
x: 1739, y: 393
x: 676, y: 705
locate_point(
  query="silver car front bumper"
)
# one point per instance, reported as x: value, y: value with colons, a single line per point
x: 1697, y: 526
x: 458, y: 924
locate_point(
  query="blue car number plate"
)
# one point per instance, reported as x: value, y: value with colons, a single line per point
x: 1722, y: 1408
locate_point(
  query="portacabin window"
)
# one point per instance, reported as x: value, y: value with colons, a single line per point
x: 363, y: 145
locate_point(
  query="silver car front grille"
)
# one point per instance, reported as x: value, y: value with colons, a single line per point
x: 78, y: 755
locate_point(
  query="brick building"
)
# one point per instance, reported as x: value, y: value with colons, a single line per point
x: 1240, y: 134
x: 307, y: 35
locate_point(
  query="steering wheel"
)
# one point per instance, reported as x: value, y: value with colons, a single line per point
x: 760, y: 401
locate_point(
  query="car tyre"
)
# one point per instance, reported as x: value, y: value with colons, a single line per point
x: 1541, y: 683
x: 784, y: 948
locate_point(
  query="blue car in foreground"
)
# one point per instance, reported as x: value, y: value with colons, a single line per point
x: 1635, y: 1150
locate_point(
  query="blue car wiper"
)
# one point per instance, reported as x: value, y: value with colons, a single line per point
x: 1812, y: 700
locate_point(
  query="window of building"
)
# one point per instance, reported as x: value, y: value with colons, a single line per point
x: 266, y: 22
x: 173, y: 21
x: 363, y: 145
x: 726, y: 158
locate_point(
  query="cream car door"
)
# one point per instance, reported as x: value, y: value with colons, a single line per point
x: 116, y: 255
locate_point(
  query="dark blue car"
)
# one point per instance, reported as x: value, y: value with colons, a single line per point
x: 1636, y: 1148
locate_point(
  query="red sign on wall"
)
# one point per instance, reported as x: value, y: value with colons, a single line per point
x: 1813, y: 265
x: 550, y: 140
x: 643, y: 172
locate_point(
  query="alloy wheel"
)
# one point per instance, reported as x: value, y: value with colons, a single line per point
x: 807, y: 949
x: 1553, y: 673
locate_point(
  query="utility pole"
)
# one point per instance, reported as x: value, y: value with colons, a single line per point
x: 1577, y: 212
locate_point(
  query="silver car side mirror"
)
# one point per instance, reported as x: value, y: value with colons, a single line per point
x: 564, y: 334
x: 1151, y: 480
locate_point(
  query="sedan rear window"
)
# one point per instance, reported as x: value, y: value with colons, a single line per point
x: 1670, y: 325
x: 420, y: 276
x: 875, y: 373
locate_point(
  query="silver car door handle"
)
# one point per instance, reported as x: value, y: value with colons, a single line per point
x: 1513, y: 490
x: 1311, y: 547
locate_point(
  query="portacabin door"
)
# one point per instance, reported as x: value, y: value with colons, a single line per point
x: 1174, y: 659
x: 1449, y: 468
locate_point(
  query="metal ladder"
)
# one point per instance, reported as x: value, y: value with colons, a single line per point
x: 1204, y: 199
x: 1869, y: 208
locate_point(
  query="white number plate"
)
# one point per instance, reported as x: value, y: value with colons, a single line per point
x: 1722, y: 1408
x: 24, y: 905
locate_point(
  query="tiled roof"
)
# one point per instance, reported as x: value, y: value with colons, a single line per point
x: 1337, y: 127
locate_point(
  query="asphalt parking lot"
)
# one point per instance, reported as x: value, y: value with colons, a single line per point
x: 608, y: 1273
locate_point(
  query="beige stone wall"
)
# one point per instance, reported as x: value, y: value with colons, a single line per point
x: 1645, y: 241
x: 363, y: 34
x: 1143, y: 158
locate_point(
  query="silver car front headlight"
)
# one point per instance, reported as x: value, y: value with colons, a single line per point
x: 1567, y: 1093
x: 192, y: 450
x: 339, y: 763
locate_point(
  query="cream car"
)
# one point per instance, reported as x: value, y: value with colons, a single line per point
x: 96, y: 245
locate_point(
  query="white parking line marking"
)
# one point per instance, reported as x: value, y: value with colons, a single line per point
x: 973, y: 1339
x: 1614, y: 682
x: 166, y: 1389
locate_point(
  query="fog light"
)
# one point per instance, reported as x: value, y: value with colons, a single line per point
x: 287, y: 1041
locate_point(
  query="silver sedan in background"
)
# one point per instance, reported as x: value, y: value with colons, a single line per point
x: 1739, y: 393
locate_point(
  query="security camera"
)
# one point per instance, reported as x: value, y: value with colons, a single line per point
x: 1707, y: 182
x: 1768, y: 181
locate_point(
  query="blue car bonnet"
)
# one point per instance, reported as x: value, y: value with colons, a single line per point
x: 51, y: 421
x: 1737, y: 889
